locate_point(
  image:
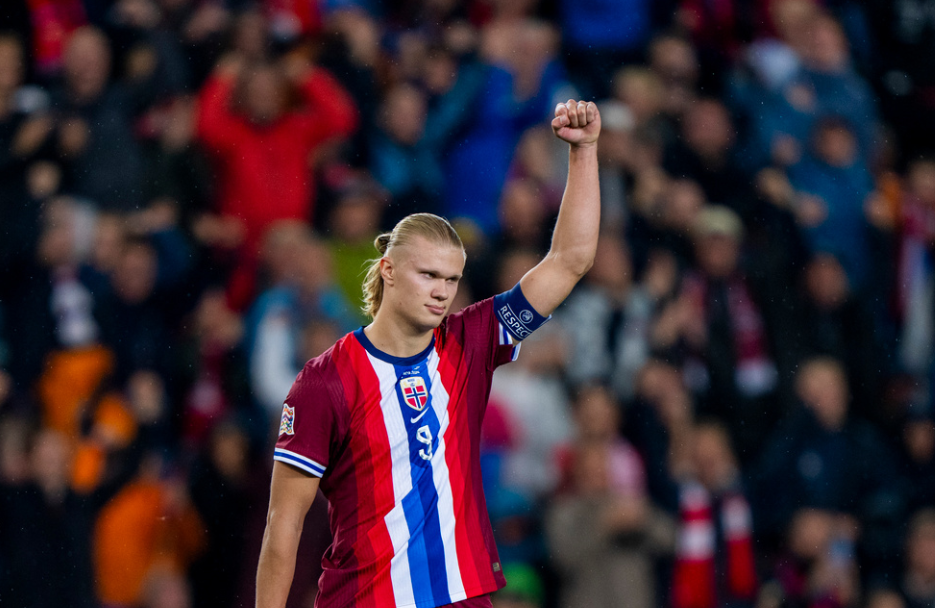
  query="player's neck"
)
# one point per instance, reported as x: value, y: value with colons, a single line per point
x: 397, y: 338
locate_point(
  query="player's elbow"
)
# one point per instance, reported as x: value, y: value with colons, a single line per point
x: 577, y: 262
x: 284, y: 521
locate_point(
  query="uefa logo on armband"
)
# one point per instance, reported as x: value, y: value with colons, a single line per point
x: 288, y: 420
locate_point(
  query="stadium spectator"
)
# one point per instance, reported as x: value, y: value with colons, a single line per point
x: 136, y: 327
x: 149, y: 527
x: 714, y: 561
x: 608, y: 321
x: 401, y: 157
x: 603, y: 532
x: 725, y: 331
x: 641, y: 90
x: 301, y: 292
x: 521, y: 77
x: 918, y: 459
x: 539, y: 159
x: 48, y: 524
x: 839, y: 184
x: 523, y: 217
x: 824, y: 84
x: 263, y: 144
x: 834, y: 323
x: 228, y: 490
x: 817, y: 566
x: 354, y: 221
x: 905, y: 212
x: 212, y: 372
x: 658, y: 422
x: 94, y: 133
x: 176, y: 172
x: 705, y: 154
x: 825, y: 459
x: 680, y: 203
x: 675, y: 61
x: 24, y: 127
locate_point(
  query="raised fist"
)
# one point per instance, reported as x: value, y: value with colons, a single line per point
x: 577, y: 122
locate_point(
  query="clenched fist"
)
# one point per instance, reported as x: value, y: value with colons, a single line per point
x: 577, y: 122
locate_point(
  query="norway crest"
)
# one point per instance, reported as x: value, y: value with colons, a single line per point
x: 414, y: 392
x: 287, y: 421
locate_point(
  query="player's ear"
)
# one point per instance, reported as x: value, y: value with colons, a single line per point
x: 387, y: 270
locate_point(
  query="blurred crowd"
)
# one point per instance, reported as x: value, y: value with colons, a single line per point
x: 734, y: 409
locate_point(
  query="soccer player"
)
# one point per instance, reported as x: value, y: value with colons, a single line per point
x: 387, y: 422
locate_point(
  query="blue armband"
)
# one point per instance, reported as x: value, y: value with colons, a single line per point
x: 516, y: 314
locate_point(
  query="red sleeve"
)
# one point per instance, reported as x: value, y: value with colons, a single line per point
x: 309, y: 425
x: 331, y: 111
x: 483, y: 332
x: 216, y: 121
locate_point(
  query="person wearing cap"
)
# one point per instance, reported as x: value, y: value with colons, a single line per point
x: 723, y: 331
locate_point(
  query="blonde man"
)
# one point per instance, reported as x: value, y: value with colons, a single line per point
x: 387, y: 422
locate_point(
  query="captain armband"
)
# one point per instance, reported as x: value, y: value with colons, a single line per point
x: 516, y: 314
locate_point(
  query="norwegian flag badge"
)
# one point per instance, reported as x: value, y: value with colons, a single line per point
x: 414, y: 392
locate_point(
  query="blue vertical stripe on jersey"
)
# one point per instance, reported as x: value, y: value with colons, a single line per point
x: 426, y: 551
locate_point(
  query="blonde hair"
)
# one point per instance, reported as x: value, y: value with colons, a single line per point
x: 427, y: 225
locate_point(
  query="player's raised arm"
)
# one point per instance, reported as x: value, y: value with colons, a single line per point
x: 291, y: 494
x: 574, y: 240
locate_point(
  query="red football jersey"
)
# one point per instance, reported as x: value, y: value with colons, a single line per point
x: 396, y: 443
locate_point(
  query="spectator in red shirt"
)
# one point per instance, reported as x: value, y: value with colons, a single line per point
x: 261, y: 124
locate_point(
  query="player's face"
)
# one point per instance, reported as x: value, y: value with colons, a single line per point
x: 424, y: 281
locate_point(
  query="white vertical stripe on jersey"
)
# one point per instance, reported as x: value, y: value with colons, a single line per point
x: 507, y: 338
x: 402, y: 480
x: 446, y: 512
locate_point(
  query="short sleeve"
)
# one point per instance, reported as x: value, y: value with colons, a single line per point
x: 493, y: 328
x: 308, y: 427
x: 515, y: 320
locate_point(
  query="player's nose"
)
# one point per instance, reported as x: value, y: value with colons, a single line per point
x: 440, y: 292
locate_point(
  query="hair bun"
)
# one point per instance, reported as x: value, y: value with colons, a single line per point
x: 382, y: 242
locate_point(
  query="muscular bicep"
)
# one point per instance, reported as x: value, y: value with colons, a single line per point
x: 292, y: 492
x: 548, y: 284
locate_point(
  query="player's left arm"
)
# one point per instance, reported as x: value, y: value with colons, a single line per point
x: 574, y: 240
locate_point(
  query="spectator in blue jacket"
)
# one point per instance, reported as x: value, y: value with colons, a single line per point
x: 825, y: 84
x: 838, y: 182
x: 521, y: 82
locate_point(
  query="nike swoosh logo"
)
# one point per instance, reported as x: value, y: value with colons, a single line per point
x: 419, y: 417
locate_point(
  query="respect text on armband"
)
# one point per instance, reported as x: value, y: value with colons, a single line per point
x: 513, y: 323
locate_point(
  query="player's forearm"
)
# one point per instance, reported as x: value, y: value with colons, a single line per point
x: 574, y: 240
x: 277, y: 566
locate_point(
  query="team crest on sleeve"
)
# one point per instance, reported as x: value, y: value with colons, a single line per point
x: 287, y: 421
x: 414, y: 392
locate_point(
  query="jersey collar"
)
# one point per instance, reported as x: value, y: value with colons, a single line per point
x: 401, y: 361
